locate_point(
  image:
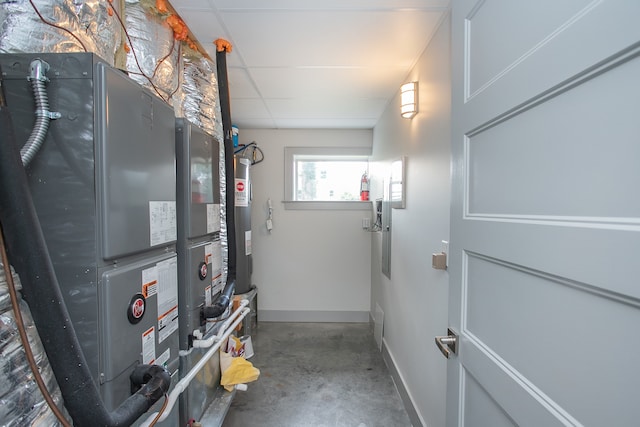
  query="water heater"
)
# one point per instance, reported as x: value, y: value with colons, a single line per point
x: 244, y: 261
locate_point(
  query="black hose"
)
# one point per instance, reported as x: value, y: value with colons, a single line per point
x: 29, y: 255
x: 222, y: 301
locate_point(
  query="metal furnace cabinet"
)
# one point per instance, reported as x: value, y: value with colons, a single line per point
x: 104, y: 186
x: 199, y: 256
x: 198, y: 199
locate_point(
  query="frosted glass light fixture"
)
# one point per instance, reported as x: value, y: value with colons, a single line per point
x: 409, y: 100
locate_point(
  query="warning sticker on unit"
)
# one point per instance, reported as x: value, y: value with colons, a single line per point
x: 207, y: 296
x: 213, y: 218
x: 216, y: 258
x: 162, y: 222
x: 167, y: 298
x: 247, y: 242
x: 208, y: 253
x: 163, y: 359
x: 149, y: 346
x: 242, y: 193
x: 149, y: 282
x: 167, y: 324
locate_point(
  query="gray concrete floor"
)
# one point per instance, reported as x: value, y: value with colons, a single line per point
x: 320, y: 375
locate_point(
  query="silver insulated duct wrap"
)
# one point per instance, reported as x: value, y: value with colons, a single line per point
x: 154, y: 58
x: 201, y: 106
x: 22, y: 30
x: 200, y: 100
x: 21, y: 403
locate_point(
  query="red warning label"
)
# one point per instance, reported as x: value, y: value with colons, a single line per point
x: 242, y: 193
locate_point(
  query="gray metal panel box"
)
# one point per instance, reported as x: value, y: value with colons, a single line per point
x: 115, y: 141
x: 198, y: 191
x: 154, y: 338
x: 198, y: 289
x: 135, y: 131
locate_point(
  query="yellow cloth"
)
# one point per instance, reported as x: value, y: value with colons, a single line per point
x: 236, y: 370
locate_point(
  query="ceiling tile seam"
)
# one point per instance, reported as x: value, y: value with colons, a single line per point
x: 437, y: 9
x: 257, y: 89
x: 225, y: 30
x: 319, y: 67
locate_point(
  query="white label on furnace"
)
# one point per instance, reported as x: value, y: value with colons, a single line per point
x: 216, y: 258
x: 207, y: 296
x: 213, y: 218
x: 208, y: 253
x: 149, y: 346
x: 162, y: 222
x: 163, y: 359
x: 149, y: 282
x: 216, y: 268
x: 247, y: 242
x: 242, y: 193
x: 167, y: 297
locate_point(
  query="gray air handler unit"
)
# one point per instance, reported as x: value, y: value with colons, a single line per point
x: 104, y: 187
x: 200, y: 259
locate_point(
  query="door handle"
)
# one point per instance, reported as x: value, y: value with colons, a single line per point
x: 448, y: 344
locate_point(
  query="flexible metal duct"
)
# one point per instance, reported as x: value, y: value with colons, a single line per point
x: 21, y: 403
x: 22, y: 30
x: 154, y: 60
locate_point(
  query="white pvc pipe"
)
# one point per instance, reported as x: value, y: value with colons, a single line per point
x: 209, y: 341
x: 184, y: 382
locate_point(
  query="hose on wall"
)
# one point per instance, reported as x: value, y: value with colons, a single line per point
x: 30, y: 257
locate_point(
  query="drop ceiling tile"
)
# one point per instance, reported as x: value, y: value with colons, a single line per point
x: 324, y: 108
x: 333, y: 123
x: 190, y: 4
x: 330, y: 38
x: 250, y: 108
x: 330, y: 4
x: 316, y: 63
x: 240, y: 84
x: 254, y: 124
x: 206, y: 27
x: 358, y: 82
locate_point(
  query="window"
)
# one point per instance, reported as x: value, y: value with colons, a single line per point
x: 325, y: 178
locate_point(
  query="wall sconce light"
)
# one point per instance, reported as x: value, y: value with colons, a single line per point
x: 409, y: 100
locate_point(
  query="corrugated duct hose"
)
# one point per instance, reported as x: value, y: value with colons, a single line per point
x: 222, y: 302
x: 38, y: 79
x: 29, y: 255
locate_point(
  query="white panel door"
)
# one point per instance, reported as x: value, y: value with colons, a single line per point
x: 545, y: 239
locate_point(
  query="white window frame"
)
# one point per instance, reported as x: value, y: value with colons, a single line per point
x: 290, y: 154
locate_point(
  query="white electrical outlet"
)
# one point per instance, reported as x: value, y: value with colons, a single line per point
x: 366, y: 223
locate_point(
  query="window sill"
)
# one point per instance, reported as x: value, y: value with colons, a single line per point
x: 355, y: 205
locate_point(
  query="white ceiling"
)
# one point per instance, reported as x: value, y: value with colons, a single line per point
x: 314, y: 63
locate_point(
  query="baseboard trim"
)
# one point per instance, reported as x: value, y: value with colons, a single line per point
x: 414, y: 416
x: 313, y: 316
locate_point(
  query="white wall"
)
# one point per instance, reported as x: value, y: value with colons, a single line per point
x: 415, y: 300
x: 314, y: 265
